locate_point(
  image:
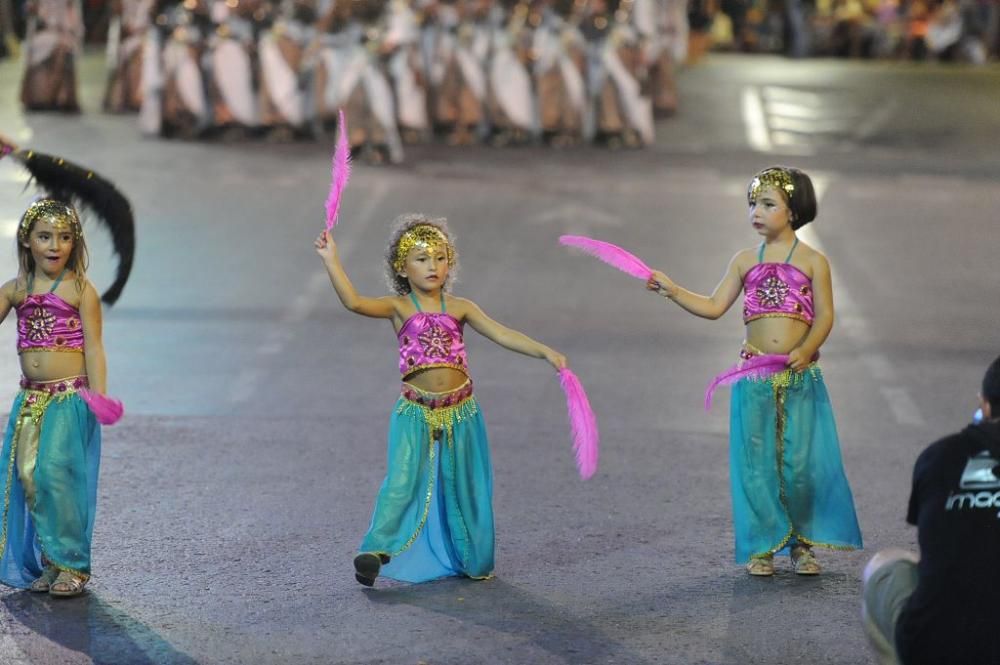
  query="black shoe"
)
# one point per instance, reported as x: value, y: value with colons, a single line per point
x: 367, y: 565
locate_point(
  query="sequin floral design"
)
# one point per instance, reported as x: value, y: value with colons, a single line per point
x: 436, y: 342
x: 772, y: 292
x: 40, y: 324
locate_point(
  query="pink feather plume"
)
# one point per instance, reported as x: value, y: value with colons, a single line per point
x: 341, y: 172
x: 582, y: 423
x: 611, y: 254
x: 758, y: 367
x: 106, y: 409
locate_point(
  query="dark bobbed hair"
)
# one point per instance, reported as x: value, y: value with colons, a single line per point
x: 802, y: 203
x: 991, y: 387
x: 401, y: 225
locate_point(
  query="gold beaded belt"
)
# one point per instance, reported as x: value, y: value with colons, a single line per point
x: 58, y: 387
x: 437, y: 400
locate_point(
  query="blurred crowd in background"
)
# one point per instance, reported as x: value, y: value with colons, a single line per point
x: 500, y: 72
x: 944, y: 30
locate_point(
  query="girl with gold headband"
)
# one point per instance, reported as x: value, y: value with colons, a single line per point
x: 433, y: 516
x: 789, y: 489
x: 51, y: 451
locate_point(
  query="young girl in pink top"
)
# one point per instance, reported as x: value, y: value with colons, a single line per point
x: 433, y: 516
x: 788, y: 484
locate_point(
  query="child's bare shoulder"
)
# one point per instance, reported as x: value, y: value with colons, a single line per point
x: 9, y: 289
x: 813, y: 255
x: 745, y: 258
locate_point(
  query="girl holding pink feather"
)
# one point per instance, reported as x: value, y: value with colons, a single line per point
x: 434, y: 513
x: 433, y: 516
x: 789, y: 489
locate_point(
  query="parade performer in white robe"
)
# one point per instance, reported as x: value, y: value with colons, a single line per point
x: 282, y: 49
x: 351, y: 75
x: 230, y: 66
x: 559, y: 50
x: 457, y: 77
x: 622, y: 113
x: 650, y: 18
x: 126, y: 35
x: 174, y: 98
x: 510, y: 98
x: 406, y: 70
x: 52, y: 44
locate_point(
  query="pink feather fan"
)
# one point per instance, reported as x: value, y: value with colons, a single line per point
x: 106, y: 409
x: 582, y: 423
x: 341, y: 172
x: 613, y: 255
x: 758, y: 367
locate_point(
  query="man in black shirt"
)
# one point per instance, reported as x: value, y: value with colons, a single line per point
x: 941, y: 608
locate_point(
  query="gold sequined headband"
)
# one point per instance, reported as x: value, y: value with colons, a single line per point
x: 59, y: 214
x: 778, y: 178
x: 421, y: 236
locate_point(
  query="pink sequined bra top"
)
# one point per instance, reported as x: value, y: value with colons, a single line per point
x: 46, y: 322
x: 777, y: 289
x: 431, y: 339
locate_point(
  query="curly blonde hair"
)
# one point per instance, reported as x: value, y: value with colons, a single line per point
x: 396, y: 282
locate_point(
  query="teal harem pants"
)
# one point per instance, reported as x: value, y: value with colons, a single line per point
x: 787, y: 478
x: 434, y: 512
x: 48, y: 483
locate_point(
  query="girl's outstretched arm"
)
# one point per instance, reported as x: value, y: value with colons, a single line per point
x: 379, y: 308
x: 802, y: 355
x: 508, y: 337
x: 90, y: 317
x: 708, y: 307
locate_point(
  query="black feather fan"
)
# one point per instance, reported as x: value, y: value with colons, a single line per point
x: 89, y: 192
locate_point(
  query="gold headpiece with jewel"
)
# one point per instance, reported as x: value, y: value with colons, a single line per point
x: 59, y: 214
x: 777, y: 177
x: 421, y: 236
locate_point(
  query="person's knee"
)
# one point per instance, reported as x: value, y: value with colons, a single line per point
x: 885, y: 558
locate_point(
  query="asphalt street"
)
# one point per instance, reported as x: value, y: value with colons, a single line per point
x: 235, y: 491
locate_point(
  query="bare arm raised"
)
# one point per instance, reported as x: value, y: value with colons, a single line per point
x: 708, y: 307
x: 379, y: 308
x: 508, y: 337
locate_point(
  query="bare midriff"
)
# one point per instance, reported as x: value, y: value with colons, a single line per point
x: 437, y: 379
x: 52, y: 365
x: 776, y: 334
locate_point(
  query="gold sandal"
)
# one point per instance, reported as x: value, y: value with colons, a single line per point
x: 72, y: 585
x: 761, y: 566
x: 45, y: 580
x: 804, y: 562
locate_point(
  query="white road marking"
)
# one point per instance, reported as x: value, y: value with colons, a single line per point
x: 758, y: 135
x: 903, y: 408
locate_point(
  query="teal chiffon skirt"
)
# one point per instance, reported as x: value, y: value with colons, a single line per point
x: 53, y: 521
x: 787, y: 478
x: 434, y: 512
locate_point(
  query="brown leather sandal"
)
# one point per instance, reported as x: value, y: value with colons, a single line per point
x: 67, y: 585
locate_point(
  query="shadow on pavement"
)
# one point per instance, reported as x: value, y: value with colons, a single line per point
x: 89, y: 626
x: 499, y: 606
